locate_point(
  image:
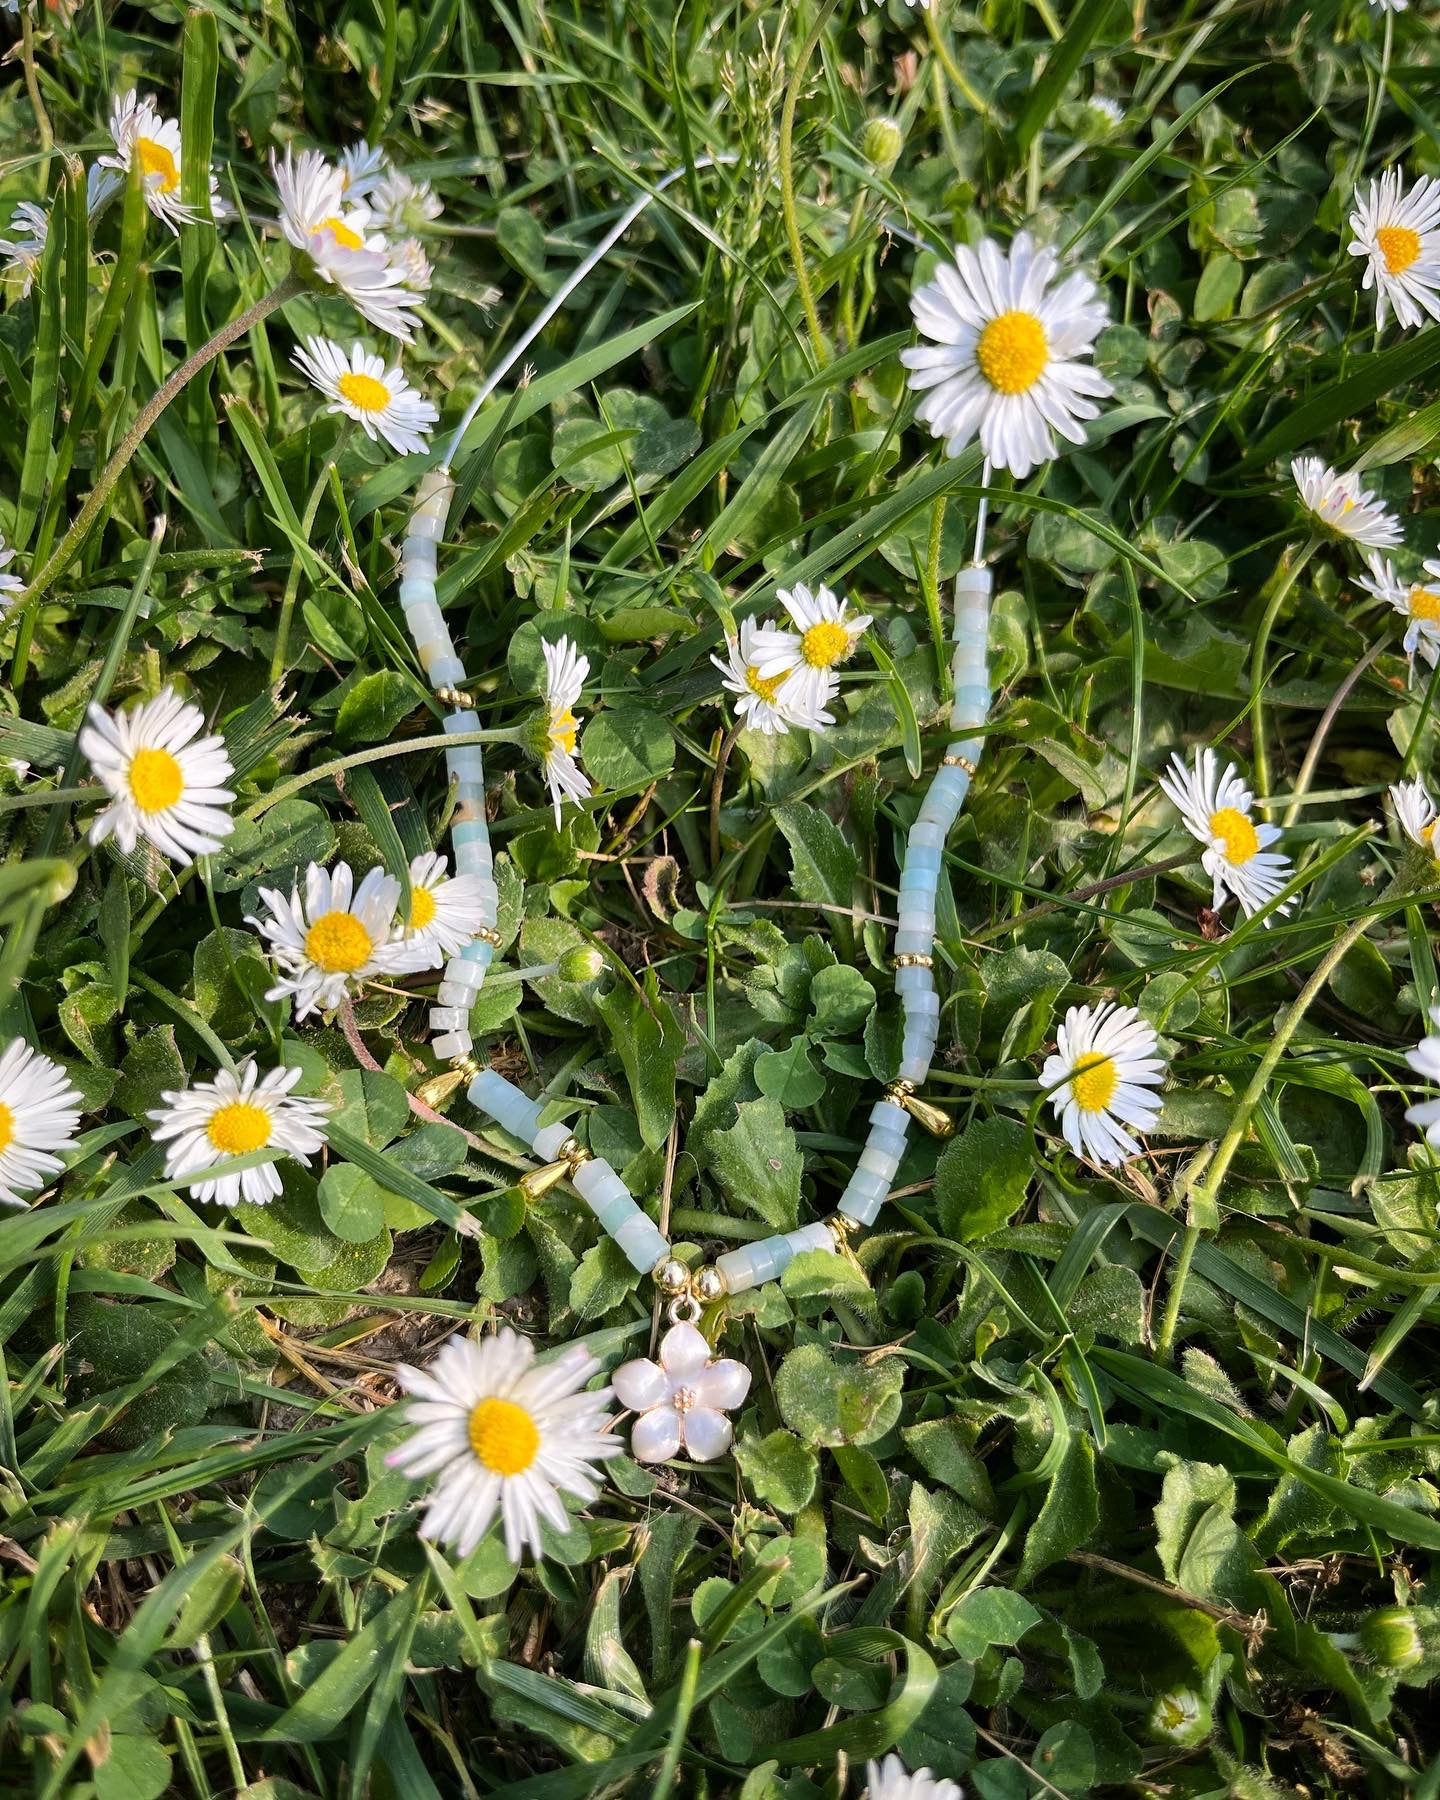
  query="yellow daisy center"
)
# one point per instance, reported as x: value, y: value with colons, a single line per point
x: 563, y: 729
x: 156, y: 781
x: 337, y: 943
x: 341, y: 232
x: 503, y: 1436
x: 1424, y: 603
x: 1094, y: 1083
x: 364, y: 391
x: 7, y: 1126
x: 422, y: 908
x: 825, y: 644
x: 767, y: 689
x: 1400, y: 247
x: 1012, y: 352
x: 155, y: 159
x: 238, y: 1128
x: 1236, y: 834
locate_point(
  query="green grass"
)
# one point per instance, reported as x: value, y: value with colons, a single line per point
x: 1068, y: 1439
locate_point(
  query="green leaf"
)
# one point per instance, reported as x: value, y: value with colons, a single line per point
x: 627, y: 747
x: 374, y: 706
x: 151, y: 1066
x: 1069, y: 1515
x: 351, y: 1203
x: 828, y: 1402
x: 822, y: 865
x: 289, y: 835
x: 133, y: 1768
x: 983, y: 1176
x: 113, y: 926
x: 780, y: 1469
x: 1064, y: 58
x: 757, y: 1162
x: 648, y: 1039
x: 789, y: 1077
x: 602, y: 1281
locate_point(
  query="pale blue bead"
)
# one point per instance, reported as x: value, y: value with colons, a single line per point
x: 974, y: 695
x: 891, y: 1116
x: 922, y: 879
x: 470, y: 860
x: 920, y: 1006
x: 922, y: 856
x: 969, y: 748
x: 427, y: 527
x: 889, y: 1143
x: 738, y: 1269
x: 461, y: 722
x: 924, y: 836
x: 480, y: 952
x: 913, y: 943
x: 861, y: 1205
x: 491, y: 1093
x: 878, y: 1163
x: 914, y: 1068
x: 415, y: 589
x: 471, y: 831
x: 912, y: 980
x: 446, y: 671
x: 641, y: 1243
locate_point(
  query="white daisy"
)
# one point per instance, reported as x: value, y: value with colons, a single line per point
x: 766, y: 705
x: 1004, y: 365
x: 1390, y: 6
x: 1106, y: 1059
x: 335, y: 937
x: 1398, y: 233
x: 409, y: 255
x: 10, y: 585
x: 1110, y: 111
x: 1415, y: 814
x: 682, y: 1399
x: 1417, y: 601
x: 166, y: 782
x: 39, y: 1113
x: 30, y: 224
x: 101, y: 187
x: 361, y: 387
x: 345, y: 252
x: 361, y: 167
x: 1424, y: 1059
x: 1216, y: 806
x: 565, y: 673
x: 234, y: 1115
x: 445, y: 910
x: 827, y: 633
x: 399, y: 204
x: 1180, y: 1717
x: 501, y: 1434
x: 1340, y: 503
x: 142, y: 133
x: 891, y: 1780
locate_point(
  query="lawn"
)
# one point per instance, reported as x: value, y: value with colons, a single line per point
x: 894, y: 554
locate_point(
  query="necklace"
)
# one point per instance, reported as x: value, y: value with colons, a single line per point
x: 688, y: 1292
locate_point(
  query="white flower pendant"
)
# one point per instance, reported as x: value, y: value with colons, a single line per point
x: 681, y: 1401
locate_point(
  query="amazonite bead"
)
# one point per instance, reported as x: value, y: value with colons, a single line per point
x: 460, y: 722
x: 919, y: 878
x: 414, y: 590
x: 891, y: 1116
x: 864, y: 1195
x: 641, y: 1243
x: 479, y: 951
x: 548, y: 1140
x: 912, y: 980
x: 924, y: 837
x: 471, y: 831
x: 453, y: 1043
x: 913, y: 943
x: 428, y: 527
x: 491, y: 1093
x: 889, y: 1143
x: 449, y: 1018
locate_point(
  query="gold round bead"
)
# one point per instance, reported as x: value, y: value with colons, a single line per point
x: 709, y: 1285
x: 672, y: 1276
x: 489, y: 935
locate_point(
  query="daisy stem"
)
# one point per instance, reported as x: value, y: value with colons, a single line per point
x: 951, y: 67
x: 722, y: 758
x: 43, y: 129
x: 1205, y: 1197
x: 787, y: 183
x: 1285, y: 579
x: 1322, y: 730
x: 75, y: 538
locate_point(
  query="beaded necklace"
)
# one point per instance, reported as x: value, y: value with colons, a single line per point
x: 686, y: 1291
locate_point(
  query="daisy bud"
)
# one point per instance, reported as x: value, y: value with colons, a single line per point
x: 1390, y: 1638
x: 582, y: 962
x: 1181, y: 1717
x: 881, y: 142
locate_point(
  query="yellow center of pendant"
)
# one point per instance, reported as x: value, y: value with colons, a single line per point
x: 1424, y: 603
x: 1400, y: 247
x: 238, y: 1128
x: 1094, y: 1083
x: 364, y: 391
x: 337, y: 943
x: 1012, y: 352
x: 341, y: 232
x: 825, y: 644
x: 1235, y: 832
x: 422, y: 908
x: 757, y: 684
x: 563, y: 729
x: 503, y: 1436
x: 7, y: 1126
x: 155, y: 159
x: 155, y: 780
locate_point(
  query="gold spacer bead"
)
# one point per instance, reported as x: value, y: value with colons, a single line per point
x: 489, y: 935
x: 708, y: 1285
x: 958, y: 762
x: 671, y: 1276
x: 462, y: 1070
x: 456, y: 697
x: 914, y: 959
x: 929, y: 1118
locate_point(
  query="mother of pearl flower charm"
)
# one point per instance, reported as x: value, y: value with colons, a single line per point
x: 681, y: 1401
